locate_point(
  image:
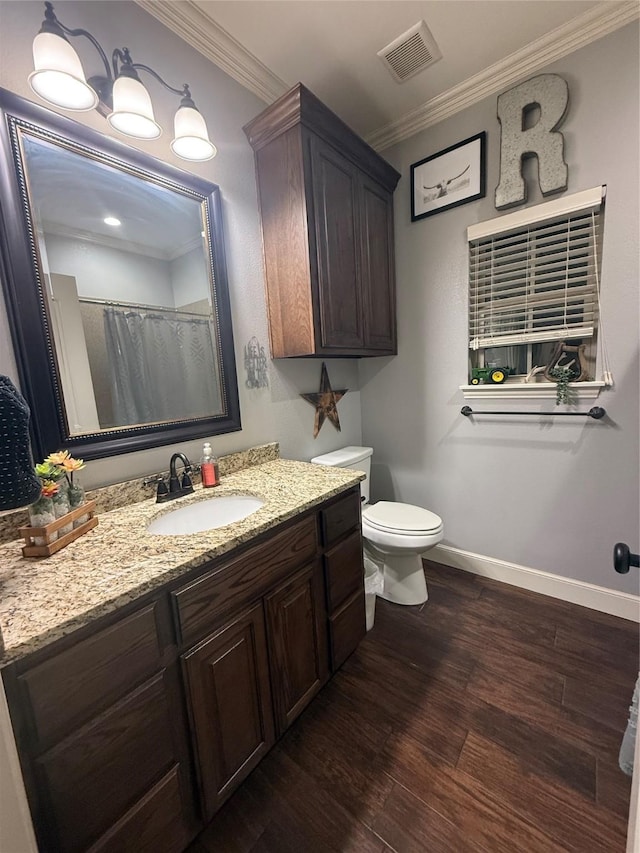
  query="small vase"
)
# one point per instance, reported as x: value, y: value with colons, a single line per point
x: 61, y: 507
x: 62, y: 484
x: 76, y: 499
x: 41, y: 513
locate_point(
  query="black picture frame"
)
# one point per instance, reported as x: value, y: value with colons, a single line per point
x: 447, y: 187
x: 22, y: 283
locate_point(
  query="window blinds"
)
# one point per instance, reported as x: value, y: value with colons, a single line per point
x: 533, y: 275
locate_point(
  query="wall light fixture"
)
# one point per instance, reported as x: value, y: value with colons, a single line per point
x: 119, y: 95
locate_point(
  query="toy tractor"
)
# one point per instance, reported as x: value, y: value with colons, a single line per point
x: 497, y: 375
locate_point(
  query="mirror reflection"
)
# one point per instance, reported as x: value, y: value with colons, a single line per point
x: 129, y: 292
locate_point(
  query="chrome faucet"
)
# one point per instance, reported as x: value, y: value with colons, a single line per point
x: 177, y: 486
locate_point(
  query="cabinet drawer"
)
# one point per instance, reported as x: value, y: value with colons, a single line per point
x: 344, y: 570
x: 346, y: 628
x: 206, y: 603
x: 340, y: 517
x: 155, y: 823
x: 100, y: 771
x: 73, y: 686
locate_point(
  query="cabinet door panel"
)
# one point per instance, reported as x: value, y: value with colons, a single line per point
x: 344, y: 570
x: 92, y: 777
x: 73, y: 686
x: 337, y: 223
x: 346, y: 628
x: 228, y: 679
x: 340, y: 517
x: 378, y: 267
x: 153, y: 825
x: 297, y: 632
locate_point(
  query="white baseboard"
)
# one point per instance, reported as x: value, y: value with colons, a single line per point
x: 622, y: 604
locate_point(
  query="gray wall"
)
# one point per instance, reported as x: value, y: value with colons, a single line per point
x: 103, y: 272
x: 551, y: 496
x: 273, y: 414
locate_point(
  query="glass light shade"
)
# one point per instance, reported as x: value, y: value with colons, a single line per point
x: 58, y: 76
x: 191, y: 140
x: 132, y: 111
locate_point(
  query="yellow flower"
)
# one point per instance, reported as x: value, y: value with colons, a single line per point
x: 71, y: 464
x: 58, y: 458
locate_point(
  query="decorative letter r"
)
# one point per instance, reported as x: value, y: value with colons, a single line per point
x: 551, y: 93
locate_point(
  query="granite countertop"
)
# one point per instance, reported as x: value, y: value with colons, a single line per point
x: 41, y: 600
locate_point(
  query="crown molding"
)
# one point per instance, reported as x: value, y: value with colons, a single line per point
x: 188, y: 21
x: 58, y: 229
x: 576, y: 33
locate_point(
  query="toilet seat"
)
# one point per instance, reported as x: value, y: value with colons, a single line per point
x: 401, y: 519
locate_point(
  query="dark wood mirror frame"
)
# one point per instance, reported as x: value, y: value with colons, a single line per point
x: 28, y: 319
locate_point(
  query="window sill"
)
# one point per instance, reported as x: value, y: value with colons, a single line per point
x: 529, y: 391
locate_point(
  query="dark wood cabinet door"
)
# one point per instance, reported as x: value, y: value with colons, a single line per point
x: 347, y: 627
x: 297, y: 635
x: 71, y: 687
x: 228, y: 683
x: 155, y: 824
x: 327, y: 227
x: 96, y: 776
x: 378, y: 267
x: 337, y: 247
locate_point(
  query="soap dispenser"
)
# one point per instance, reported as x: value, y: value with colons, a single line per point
x: 209, y: 467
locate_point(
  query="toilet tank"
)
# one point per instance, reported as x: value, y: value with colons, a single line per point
x: 358, y: 458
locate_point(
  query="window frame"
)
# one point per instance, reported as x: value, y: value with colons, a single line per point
x: 539, y: 216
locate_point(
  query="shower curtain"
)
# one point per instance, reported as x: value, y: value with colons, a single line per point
x: 162, y: 367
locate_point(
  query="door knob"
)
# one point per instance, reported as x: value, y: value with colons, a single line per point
x: 623, y: 558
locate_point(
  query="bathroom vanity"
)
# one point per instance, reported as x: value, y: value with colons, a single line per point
x: 146, y: 680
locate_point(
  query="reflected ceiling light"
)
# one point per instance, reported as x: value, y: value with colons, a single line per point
x: 112, y: 220
x: 119, y: 95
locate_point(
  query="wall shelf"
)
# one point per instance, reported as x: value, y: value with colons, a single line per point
x: 530, y: 391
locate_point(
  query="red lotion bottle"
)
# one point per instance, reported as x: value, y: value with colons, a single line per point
x: 209, y: 468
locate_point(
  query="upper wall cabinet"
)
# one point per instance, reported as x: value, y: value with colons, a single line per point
x: 326, y: 201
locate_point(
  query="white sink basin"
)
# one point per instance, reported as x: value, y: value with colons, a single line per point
x: 205, y: 515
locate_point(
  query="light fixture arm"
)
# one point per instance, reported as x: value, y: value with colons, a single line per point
x: 121, y: 62
x: 125, y: 58
x: 118, y: 94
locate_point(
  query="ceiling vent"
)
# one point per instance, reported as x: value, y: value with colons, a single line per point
x: 410, y: 53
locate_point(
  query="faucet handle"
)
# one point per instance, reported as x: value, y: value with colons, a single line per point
x: 152, y: 480
x: 162, y: 490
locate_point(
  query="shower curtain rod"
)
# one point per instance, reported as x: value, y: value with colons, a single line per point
x: 114, y: 304
x: 596, y: 413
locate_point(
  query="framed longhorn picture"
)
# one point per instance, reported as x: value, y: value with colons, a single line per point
x: 449, y: 178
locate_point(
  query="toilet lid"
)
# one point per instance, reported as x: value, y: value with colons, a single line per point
x: 402, y: 518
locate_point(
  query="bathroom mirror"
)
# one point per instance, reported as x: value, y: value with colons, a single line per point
x: 114, y: 275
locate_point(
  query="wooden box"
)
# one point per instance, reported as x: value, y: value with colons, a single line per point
x: 51, y: 544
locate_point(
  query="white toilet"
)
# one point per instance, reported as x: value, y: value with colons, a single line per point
x: 395, y: 534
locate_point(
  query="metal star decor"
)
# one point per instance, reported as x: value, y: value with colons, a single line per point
x: 325, y: 402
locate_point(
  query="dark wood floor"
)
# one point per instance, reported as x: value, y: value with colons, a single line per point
x: 489, y: 719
